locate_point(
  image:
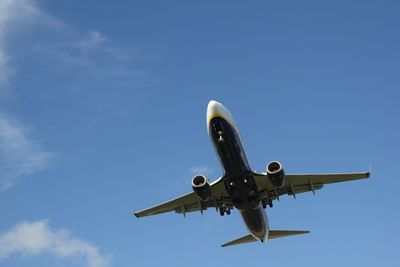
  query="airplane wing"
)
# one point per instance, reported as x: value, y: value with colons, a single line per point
x: 299, y: 183
x: 190, y: 202
x: 294, y: 184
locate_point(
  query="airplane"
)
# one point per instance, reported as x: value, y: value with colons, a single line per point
x: 242, y: 188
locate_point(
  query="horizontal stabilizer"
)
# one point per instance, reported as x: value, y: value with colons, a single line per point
x: 282, y: 233
x: 272, y: 234
x: 241, y: 240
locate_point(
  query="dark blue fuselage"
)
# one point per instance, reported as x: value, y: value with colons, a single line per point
x: 238, y: 176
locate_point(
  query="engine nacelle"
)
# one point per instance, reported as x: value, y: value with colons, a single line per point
x: 201, y: 187
x: 275, y: 173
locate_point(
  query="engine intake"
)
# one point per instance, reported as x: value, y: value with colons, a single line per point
x: 275, y: 173
x: 201, y: 187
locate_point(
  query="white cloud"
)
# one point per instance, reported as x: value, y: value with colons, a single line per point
x: 91, y: 41
x: 34, y: 238
x: 16, y: 10
x: 63, y: 52
x: 205, y: 170
x: 54, y: 43
x: 18, y: 154
x: 58, y: 50
x: 4, y: 72
x: 14, y: 15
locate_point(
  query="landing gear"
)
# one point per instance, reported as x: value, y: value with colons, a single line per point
x: 269, y: 202
x: 221, y: 211
x: 220, y: 138
x: 224, y: 210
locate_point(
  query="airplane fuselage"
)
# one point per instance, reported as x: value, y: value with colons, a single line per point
x: 238, y: 176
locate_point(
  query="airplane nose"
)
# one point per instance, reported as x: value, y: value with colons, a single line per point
x: 214, y: 107
x: 212, y: 104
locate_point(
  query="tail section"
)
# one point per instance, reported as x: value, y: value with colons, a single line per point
x: 241, y: 240
x: 282, y: 233
x: 272, y: 234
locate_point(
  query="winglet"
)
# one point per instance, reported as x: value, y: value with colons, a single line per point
x: 136, y: 215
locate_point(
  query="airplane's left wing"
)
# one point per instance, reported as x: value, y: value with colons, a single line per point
x: 299, y: 183
x: 189, y: 202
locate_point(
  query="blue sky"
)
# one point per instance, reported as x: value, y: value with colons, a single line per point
x: 102, y: 111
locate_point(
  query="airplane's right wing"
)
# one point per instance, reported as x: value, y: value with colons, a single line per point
x: 299, y: 183
x: 190, y: 202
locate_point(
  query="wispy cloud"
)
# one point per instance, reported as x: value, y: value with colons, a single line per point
x: 4, y: 71
x: 57, y: 50
x: 58, y: 46
x: 34, y: 238
x: 19, y: 155
x: 89, y: 54
x: 92, y: 40
x: 205, y: 170
x: 17, y: 16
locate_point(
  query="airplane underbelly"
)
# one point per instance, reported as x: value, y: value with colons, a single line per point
x: 238, y: 178
x: 243, y: 192
x: 229, y: 147
x: 256, y: 222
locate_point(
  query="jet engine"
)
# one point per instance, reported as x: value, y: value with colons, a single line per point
x: 201, y: 187
x: 275, y: 173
